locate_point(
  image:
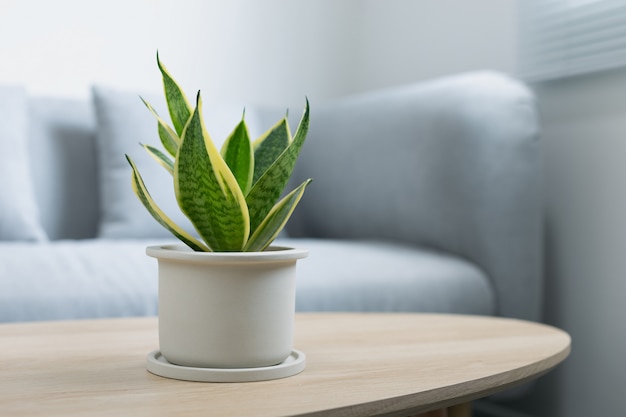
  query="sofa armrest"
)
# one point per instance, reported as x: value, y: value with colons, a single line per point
x: 450, y: 164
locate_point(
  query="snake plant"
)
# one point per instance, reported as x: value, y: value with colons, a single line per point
x: 231, y: 196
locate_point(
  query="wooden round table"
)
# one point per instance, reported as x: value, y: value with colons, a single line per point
x: 357, y: 365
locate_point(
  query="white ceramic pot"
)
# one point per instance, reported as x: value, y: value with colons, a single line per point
x: 226, y: 309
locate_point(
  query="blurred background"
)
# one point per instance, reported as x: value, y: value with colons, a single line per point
x: 279, y: 51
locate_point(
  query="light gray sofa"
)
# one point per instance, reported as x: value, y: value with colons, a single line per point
x: 425, y: 198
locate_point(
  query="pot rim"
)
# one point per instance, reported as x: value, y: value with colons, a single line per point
x: 181, y: 252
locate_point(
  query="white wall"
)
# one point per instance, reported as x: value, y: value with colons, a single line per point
x: 250, y: 51
x: 268, y: 51
x: 61, y: 47
x: 584, y: 132
x: 407, y: 40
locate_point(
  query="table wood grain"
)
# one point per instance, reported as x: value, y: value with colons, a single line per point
x: 357, y: 365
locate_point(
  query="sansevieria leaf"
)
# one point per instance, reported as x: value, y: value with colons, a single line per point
x: 169, y: 138
x: 160, y: 157
x: 276, y: 219
x: 140, y: 190
x: 269, y: 146
x: 266, y: 191
x: 237, y: 152
x: 229, y: 195
x: 177, y: 103
x: 207, y: 191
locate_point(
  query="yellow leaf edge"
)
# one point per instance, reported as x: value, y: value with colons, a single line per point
x: 155, y: 211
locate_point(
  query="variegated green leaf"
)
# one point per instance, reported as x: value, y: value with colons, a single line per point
x: 207, y: 191
x: 169, y: 138
x: 266, y: 191
x: 177, y: 103
x: 276, y: 219
x: 237, y: 152
x: 269, y: 146
x: 142, y: 193
x: 160, y: 157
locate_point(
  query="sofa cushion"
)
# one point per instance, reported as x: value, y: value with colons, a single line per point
x: 19, y: 214
x: 123, y: 122
x: 73, y: 279
x: 342, y: 275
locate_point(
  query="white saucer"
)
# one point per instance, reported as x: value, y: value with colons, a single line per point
x: 158, y: 365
